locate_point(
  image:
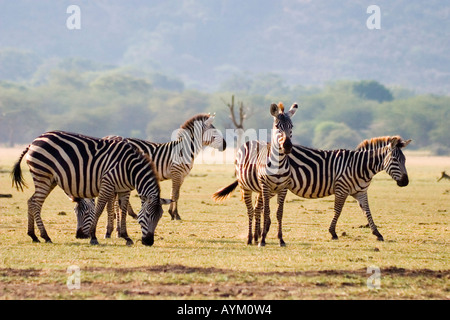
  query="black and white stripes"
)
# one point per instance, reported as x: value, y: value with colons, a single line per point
x: 320, y: 173
x: 175, y: 159
x: 264, y: 168
x: 87, y: 167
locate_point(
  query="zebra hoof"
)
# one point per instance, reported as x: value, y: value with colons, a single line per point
x: 380, y: 238
x: 334, y: 238
x: 33, y: 237
x: 129, y: 242
x: 262, y: 244
x: 282, y: 244
x: 48, y: 241
x: 94, y: 242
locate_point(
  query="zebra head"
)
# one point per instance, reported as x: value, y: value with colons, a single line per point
x: 149, y: 216
x: 394, y: 161
x: 211, y: 136
x: 282, y: 126
x: 85, y: 212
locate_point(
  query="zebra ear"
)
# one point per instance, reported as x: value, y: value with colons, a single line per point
x: 394, y: 142
x: 210, y: 120
x: 165, y: 201
x: 405, y: 143
x: 293, y: 110
x: 274, y: 109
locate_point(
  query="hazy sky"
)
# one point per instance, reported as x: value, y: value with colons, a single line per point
x: 204, y: 42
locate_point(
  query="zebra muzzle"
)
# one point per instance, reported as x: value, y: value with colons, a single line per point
x: 148, y: 239
x: 81, y: 235
x: 287, y: 146
x: 404, y: 181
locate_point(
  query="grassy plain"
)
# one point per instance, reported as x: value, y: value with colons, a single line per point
x: 204, y: 256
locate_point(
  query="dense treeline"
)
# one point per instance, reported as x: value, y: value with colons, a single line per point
x: 77, y: 95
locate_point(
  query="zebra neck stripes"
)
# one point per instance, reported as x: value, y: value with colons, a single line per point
x: 86, y: 167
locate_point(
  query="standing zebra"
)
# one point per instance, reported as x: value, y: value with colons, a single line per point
x: 86, y: 167
x: 320, y: 173
x: 264, y: 168
x: 175, y: 159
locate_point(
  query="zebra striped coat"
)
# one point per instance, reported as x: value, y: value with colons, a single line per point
x: 87, y: 167
x: 320, y: 173
x: 264, y: 169
x: 173, y: 160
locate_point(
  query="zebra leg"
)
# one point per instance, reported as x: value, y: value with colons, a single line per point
x: 111, y: 210
x: 257, y: 213
x: 339, y: 202
x: 281, y: 197
x: 364, y: 204
x: 131, y: 212
x: 105, y: 194
x: 34, y: 211
x: 123, y: 203
x: 249, y: 205
x: 266, y: 208
x: 177, y: 181
x: 32, y: 207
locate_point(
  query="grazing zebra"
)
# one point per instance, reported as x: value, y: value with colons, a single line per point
x: 444, y: 176
x: 264, y: 168
x: 86, y: 167
x: 85, y: 213
x: 175, y: 159
x: 320, y: 173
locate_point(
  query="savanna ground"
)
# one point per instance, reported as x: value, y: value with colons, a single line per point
x: 204, y: 256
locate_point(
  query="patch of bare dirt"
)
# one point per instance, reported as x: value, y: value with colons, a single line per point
x: 19, y: 284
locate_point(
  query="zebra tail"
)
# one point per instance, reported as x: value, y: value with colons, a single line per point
x: 225, y: 192
x: 16, y: 174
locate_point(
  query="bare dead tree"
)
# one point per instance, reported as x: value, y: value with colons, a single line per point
x: 239, y: 118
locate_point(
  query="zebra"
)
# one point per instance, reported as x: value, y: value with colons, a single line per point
x: 320, y: 173
x: 175, y: 159
x: 264, y: 168
x: 87, y: 167
x: 85, y: 212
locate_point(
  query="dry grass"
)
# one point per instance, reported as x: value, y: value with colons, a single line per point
x: 204, y: 256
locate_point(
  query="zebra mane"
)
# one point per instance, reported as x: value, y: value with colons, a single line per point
x: 151, y: 163
x: 190, y: 122
x: 375, y: 143
x: 137, y: 152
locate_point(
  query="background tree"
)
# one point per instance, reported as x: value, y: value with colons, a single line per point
x: 238, y: 119
x: 372, y: 90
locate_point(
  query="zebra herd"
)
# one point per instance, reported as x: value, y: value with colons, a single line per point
x: 111, y: 167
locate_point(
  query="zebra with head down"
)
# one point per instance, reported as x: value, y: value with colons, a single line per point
x: 87, y: 167
x: 173, y: 160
